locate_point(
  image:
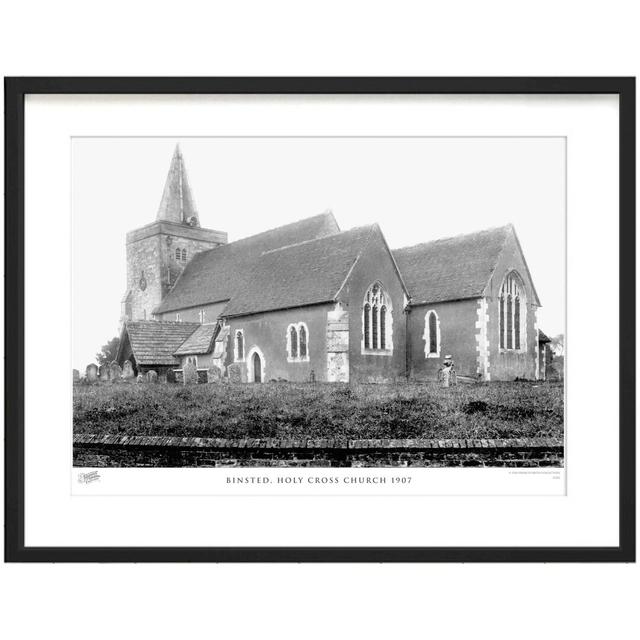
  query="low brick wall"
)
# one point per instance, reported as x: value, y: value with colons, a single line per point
x: 159, y: 451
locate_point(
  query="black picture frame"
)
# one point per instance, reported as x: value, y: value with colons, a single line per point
x: 15, y: 91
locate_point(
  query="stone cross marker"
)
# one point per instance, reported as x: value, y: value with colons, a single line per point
x: 127, y: 370
x: 190, y: 373
x: 92, y: 372
x: 152, y: 376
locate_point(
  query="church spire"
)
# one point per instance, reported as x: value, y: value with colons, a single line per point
x: 177, y: 203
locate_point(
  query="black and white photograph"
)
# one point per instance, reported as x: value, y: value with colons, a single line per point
x: 318, y: 301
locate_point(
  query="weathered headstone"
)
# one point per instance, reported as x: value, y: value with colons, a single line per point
x: 152, y: 377
x: 140, y: 378
x: 115, y: 372
x: 190, y: 373
x: 104, y: 373
x: 76, y: 375
x: 91, y: 372
x: 127, y: 370
x: 312, y: 375
x: 171, y: 376
x: 214, y: 374
x: 234, y: 372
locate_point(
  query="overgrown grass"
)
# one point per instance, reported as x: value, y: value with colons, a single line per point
x: 286, y: 410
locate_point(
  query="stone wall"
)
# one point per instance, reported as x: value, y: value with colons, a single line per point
x: 159, y: 451
x: 458, y: 326
x: 503, y: 364
x: 268, y: 334
x: 375, y: 265
x: 151, y: 261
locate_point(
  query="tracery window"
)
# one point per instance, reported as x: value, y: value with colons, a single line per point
x: 298, y: 342
x: 512, y: 310
x: 184, y: 255
x: 376, y: 320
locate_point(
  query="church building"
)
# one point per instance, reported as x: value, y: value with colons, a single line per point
x: 309, y: 302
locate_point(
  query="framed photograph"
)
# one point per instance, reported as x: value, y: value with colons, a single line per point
x: 320, y: 319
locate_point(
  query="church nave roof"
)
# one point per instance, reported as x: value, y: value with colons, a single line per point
x: 216, y: 274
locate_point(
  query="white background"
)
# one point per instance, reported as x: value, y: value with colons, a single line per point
x: 489, y: 38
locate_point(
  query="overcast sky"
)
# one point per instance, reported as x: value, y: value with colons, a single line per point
x: 417, y: 189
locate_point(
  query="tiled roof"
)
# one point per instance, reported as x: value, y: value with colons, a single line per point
x: 302, y: 274
x: 199, y: 341
x: 215, y: 275
x: 451, y: 268
x: 543, y: 337
x: 154, y: 343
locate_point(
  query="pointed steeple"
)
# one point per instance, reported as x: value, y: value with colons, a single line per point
x: 177, y: 204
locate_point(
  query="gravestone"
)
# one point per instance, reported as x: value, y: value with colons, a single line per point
x: 127, y: 370
x: 104, y: 373
x: 140, y: 378
x: 115, y: 372
x: 171, y: 376
x: 214, y: 374
x: 152, y: 377
x: 76, y: 376
x: 312, y: 375
x: 234, y: 372
x: 92, y: 372
x: 190, y: 373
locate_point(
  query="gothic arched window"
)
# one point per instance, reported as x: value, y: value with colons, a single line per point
x: 432, y: 335
x: 178, y: 254
x: 302, y: 335
x: 293, y: 342
x: 184, y: 255
x: 297, y: 342
x: 512, y: 309
x: 376, y: 321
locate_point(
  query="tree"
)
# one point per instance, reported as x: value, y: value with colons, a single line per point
x: 557, y: 345
x: 108, y: 352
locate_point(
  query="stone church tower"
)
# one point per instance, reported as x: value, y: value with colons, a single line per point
x: 158, y: 252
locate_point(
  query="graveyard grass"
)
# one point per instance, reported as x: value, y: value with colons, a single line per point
x: 288, y: 410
